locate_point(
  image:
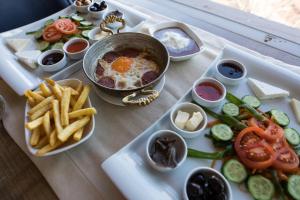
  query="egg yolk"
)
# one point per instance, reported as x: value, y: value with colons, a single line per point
x: 122, y: 64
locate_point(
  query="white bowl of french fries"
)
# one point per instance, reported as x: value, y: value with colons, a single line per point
x: 58, y: 116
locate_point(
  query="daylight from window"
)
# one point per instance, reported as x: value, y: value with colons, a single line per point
x: 283, y: 11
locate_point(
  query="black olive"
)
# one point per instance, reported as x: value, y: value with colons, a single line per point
x: 217, y: 183
x: 199, y: 178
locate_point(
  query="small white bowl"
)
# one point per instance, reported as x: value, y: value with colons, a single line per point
x: 186, y: 29
x: 210, y: 171
x: 115, y: 25
x: 189, y: 108
x: 55, y: 67
x: 204, y: 102
x: 88, y: 130
x: 97, y: 14
x: 76, y: 55
x: 166, y: 133
x: 93, y: 32
x: 227, y: 80
x: 82, y: 9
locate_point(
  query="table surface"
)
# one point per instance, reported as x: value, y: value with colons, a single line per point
x: 22, y: 170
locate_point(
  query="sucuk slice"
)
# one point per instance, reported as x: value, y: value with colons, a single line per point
x: 260, y: 187
x: 222, y: 132
x: 251, y: 101
x: 231, y: 109
x: 234, y: 171
x: 292, y: 136
x: 293, y: 186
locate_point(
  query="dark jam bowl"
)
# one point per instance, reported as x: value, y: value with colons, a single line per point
x: 230, y: 72
x: 179, y: 145
x: 52, y: 60
x: 212, y: 183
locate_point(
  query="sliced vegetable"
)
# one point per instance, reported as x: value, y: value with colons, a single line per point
x: 222, y: 132
x: 286, y: 160
x: 58, y: 45
x: 252, y: 150
x: 43, y: 45
x: 231, y: 109
x: 77, y: 18
x: 85, y: 33
x: 280, y: 117
x: 260, y: 187
x: 234, y: 171
x: 38, y: 34
x: 64, y: 17
x: 48, y: 22
x: 293, y: 186
x: 65, y: 26
x: 211, y: 156
x: 292, y: 136
x: 85, y: 27
x: 86, y: 23
x: 278, y: 185
x: 251, y: 101
x: 51, y: 34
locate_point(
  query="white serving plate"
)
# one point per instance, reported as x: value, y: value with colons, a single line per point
x: 26, y: 78
x: 185, y: 28
x: 88, y: 130
x: 131, y: 173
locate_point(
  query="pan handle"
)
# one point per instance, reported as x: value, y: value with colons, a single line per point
x: 143, y: 101
x: 109, y: 20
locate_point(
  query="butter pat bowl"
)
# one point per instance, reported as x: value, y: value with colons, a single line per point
x: 189, y: 108
x: 185, y: 28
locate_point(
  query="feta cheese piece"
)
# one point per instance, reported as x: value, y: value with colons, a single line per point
x: 266, y: 91
x: 181, y: 119
x: 194, y: 122
x: 28, y: 62
x: 30, y: 54
x: 17, y: 44
x: 296, y: 108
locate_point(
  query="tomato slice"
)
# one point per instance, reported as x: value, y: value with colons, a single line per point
x: 252, y: 150
x: 272, y: 132
x: 51, y: 34
x: 65, y: 26
x: 286, y: 160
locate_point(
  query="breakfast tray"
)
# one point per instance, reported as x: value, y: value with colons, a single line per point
x: 25, y: 78
x: 136, y: 179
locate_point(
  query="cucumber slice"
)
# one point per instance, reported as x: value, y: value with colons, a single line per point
x: 49, y: 21
x: 86, y: 23
x: 77, y: 18
x: 280, y: 117
x: 222, y: 132
x: 64, y: 17
x: 43, y: 45
x: 234, y: 171
x: 260, y: 187
x: 38, y: 34
x: 58, y: 45
x: 231, y: 109
x: 251, y: 101
x: 293, y: 186
x: 85, y: 33
x: 292, y: 136
x: 85, y: 27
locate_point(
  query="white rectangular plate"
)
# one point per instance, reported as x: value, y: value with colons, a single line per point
x: 129, y: 170
x: 21, y: 78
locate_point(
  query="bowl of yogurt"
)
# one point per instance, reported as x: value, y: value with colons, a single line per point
x: 180, y: 40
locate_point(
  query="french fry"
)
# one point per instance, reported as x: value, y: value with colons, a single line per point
x: 34, y: 124
x: 57, y: 91
x: 73, y: 101
x: 82, y: 98
x: 56, y: 116
x: 78, y: 135
x: 79, y: 87
x: 65, y: 104
x: 82, y: 112
x: 53, y: 138
x: 43, y: 142
x: 40, y: 105
x: 35, y: 136
x: 40, y: 112
x: 36, y: 96
x: 46, y: 123
x: 45, y: 90
x: 31, y: 100
x: 40, y: 93
x: 50, y: 81
x: 48, y: 148
x: 73, y: 92
x: 72, y: 128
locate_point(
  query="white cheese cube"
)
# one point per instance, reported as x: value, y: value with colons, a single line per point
x: 17, y: 44
x: 266, y: 91
x: 296, y: 108
x: 194, y: 122
x: 181, y: 119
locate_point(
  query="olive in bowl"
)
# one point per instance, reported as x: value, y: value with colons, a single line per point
x: 166, y: 150
x: 206, y: 183
x: 82, y: 5
x: 52, y: 60
x: 98, y: 10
